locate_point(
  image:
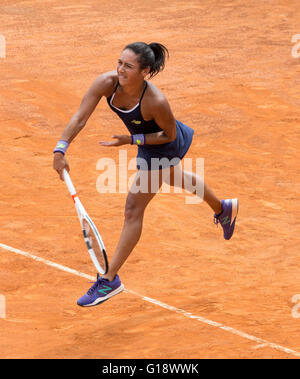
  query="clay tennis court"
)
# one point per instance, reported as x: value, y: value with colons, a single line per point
x: 189, y: 293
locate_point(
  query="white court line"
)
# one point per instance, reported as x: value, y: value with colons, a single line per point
x: 261, y: 343
x: 2, y: 306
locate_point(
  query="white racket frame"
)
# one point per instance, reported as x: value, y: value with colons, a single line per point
x: 83, y: 215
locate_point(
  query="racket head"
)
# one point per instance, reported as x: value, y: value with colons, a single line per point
x: 94, y: 244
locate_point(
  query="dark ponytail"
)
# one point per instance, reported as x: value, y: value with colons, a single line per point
x: 152, y: 55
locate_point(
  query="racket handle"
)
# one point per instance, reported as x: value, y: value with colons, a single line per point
x: 68, y: 182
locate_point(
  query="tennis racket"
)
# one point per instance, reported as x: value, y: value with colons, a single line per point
x: 91, y: 235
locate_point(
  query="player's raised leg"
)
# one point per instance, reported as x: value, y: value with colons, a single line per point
x: 225, y: 211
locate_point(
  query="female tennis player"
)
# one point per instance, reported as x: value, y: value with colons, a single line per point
x: 152, y: 127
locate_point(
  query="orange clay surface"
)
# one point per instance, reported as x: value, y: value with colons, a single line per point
x: 231, y: 76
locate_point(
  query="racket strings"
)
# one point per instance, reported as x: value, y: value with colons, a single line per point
x: 95, y: 246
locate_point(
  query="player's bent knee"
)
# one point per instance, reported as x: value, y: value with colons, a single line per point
x: 133, y: 210
x: 132, y: 213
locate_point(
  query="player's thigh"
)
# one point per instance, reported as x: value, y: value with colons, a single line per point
x: 174, y: 176
x: 144, y: 187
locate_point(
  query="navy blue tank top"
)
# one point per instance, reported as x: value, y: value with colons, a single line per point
x: 135, y: 123
x: 133, y: 118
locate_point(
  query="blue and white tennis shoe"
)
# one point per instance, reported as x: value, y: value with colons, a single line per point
x: 101, y: 290
x: 230, y: 208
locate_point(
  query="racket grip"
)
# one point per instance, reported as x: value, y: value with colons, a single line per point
x: 68, y: 182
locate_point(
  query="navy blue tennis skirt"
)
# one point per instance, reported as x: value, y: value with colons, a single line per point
x: 156, y: 157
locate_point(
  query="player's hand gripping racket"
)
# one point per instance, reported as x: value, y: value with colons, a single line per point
x: 91, y: 235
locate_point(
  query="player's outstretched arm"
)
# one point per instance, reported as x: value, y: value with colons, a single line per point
x: 102, y: 86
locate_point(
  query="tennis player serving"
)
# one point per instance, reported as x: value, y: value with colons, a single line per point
x: 152, y: 127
